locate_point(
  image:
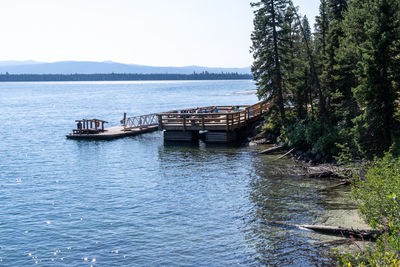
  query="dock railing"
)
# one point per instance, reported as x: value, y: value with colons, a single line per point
x: 228, y: 118
x: 140, y: 121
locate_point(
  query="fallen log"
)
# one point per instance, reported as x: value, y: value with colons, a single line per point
x: 346, y: 182
x: 325, y: 174
x: 272, y: 150
x: 361, y: 234
x: 344, y: 232
x: 284, y: 155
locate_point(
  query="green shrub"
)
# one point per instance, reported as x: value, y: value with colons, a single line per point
x: 326, y: 144
x: 378, y: 194
x: 378, y: 197
x: 294, y: 136
x: 386, y: 252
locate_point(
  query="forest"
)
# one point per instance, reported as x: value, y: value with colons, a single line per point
x: 335, y: 89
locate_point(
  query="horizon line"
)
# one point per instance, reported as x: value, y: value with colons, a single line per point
x: 116, y: 62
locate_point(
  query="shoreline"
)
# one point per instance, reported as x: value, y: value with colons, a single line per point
x: 340, y: 209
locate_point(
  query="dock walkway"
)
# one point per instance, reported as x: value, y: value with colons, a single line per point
x: 114, y: 132
x: 130, y: 127
x: 218, y: 124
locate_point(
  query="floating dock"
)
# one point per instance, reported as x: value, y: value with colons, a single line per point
x: 93, y: 129
x: 113, y: 133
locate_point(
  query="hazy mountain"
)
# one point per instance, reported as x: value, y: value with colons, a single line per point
x: 89, y: 67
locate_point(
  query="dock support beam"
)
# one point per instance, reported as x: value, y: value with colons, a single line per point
x: 179, y: 136
x: 221, y: 137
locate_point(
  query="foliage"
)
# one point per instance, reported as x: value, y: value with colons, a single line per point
x: 267, y: 45
x: 386, y: 252
x: 377, y: 71
x: 378, y: 194
x: 311, y: 135
x: 338, y: 87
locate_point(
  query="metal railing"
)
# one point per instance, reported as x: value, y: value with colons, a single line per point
x: 142, y: 121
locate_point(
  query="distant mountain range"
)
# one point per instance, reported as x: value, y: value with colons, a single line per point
x: 90, y: 67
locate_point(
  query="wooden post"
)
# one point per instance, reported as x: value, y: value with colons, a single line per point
x: 184, y: 123
x: 95, y: 125
x: 160, y: 125
x: 227, y: 122
x: 124, y: 120
x: 102, y: 126
x: 202, y: 123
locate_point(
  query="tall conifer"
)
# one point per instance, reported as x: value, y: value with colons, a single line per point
x: 377, y: 74
x: 266, y: 48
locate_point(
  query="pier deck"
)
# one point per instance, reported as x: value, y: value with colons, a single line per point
x: 217, y: 124
x: 115, y: 132
x: 222, y: 124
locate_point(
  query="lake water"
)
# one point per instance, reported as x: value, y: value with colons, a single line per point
x: 136, y: 201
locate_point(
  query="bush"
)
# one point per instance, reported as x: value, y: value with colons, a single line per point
x: 294, y: 136
x: 378, y: 194
x: 378, y: 197
x: 321, y: 139
x: 386, y: 252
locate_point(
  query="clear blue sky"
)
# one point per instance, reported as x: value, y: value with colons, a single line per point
x: 149, y: 32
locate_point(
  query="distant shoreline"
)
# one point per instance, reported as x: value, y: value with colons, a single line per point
x: 121, y: 77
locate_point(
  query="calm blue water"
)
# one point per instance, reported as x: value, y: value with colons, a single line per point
x: 136, y: 201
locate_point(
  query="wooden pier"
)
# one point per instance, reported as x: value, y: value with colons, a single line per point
x: 217, y: 124
x: 90, y: 129
x: 214, y: 124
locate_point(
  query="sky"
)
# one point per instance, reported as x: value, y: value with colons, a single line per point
x: 213, y: 33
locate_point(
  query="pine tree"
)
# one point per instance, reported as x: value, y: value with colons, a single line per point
x: 303, y: 82
x: 321, y: 33
x: 377, y: 74
x: 266, y: 49
x: 346, y: 57
x: 316, y: 85
x: 336, y: 9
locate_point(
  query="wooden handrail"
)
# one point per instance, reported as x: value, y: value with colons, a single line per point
x: 230, y: 120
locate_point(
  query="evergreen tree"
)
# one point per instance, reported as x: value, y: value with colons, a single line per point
x: 316, y: 85
x: 377, y: 75
x: 321, y: 33
x: 336, y: 9
x: 266, y: 48
x: 347, y: 56
x: 303, y: 85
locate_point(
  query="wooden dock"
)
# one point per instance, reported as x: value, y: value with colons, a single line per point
x: 130, y: 127
x: 113, y: 133
x: 213, y: 124
x: 218, y: 124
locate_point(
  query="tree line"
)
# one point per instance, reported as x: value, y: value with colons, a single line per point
x: 336, y: 89
x: 122, y: 77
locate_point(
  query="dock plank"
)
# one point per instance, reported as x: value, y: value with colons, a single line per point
x: 114, y: 132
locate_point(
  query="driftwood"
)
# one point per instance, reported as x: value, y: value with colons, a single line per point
x: 333, y: 230
x: 325, y: 174
x: 284, y: 155
x: 345, y: 182
x: 272, y: 150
